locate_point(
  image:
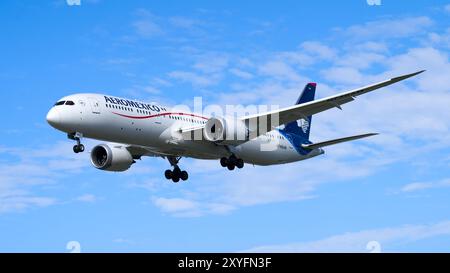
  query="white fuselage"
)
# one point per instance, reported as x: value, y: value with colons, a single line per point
x: 157, y: 128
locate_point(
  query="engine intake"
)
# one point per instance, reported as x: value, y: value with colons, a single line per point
x: 226, y: 131
x: 111, y: 158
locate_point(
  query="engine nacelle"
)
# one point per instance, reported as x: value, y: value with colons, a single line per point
x: 111, y: 158
x: 226, y: 131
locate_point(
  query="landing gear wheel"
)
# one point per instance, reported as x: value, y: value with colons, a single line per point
x: 240, y: 163
x: 176, y: 174
x: 184, y: 175
x: 168, y: 174
x: 175, y: 179
x: 79, y: 148
x: 232, y: 160
x: 224, y: 161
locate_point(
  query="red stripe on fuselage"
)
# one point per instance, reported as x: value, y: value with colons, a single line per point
x: 159, y: 115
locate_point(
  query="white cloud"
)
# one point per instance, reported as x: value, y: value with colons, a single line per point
x: 436, y: 63
x: 16, y: 201
x: 151, y: 90
x: 438, y: 39
x: 360, y: 60
x: 211, y: 63
x: 279, y: 70
x: 183, y: 207
x: 240, y: 73
x: 31, y: 168
x: 388, y: 28
x: 174, y: 204
x: 388, y: 238
x: 318, y: 49
x: 244, y: 62
x: 299, y: 59
x: 183, y: 22
x: 369, y: 47
x: 209, y: 193
x: 87, y: 198
x: 190, y: 30
x: 177, y: 206
x: 343, y: 75
x: 417, y: 186
x: 194, y: 78
x: 270, y: 92
x: 146, y: 28
x: 308, y: 53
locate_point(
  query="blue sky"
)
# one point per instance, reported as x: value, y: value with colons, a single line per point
x: 393, y: 188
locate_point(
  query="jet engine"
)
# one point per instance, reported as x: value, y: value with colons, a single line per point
x: 111, y: 158
x: 226, y: 131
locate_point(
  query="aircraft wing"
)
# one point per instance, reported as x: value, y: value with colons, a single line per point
x: 193, y: 133
x: 304, y: 110
x: 139, y: 151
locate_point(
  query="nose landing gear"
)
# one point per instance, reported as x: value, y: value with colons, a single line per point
x: 232, y: 162
x: 176, y: 174
x: 78, y: 148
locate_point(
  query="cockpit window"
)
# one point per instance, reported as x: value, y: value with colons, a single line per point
x: 69, y: 102
x: 60, y: 103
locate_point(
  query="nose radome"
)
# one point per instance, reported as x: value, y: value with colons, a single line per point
x: 53, y: 117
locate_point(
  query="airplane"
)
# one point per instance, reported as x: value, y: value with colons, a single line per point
x: 133, y: 129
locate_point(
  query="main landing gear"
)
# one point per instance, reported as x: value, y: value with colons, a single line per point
x: 176, y: 174
x: 78, y: 148
x: 232, y: 162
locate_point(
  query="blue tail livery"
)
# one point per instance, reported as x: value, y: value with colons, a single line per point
x: 297, y: 132
x: 302, y: 127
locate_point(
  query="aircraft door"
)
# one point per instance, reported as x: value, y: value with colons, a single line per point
x: 95, y: 106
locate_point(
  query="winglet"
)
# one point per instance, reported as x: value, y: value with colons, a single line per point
x: 404, y: 77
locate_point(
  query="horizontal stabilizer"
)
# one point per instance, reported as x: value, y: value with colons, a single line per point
x: 335, y: 141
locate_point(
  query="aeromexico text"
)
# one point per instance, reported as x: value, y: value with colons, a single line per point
x: 135, y: 104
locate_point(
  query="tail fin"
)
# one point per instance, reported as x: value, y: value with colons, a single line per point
x: 302, y: 127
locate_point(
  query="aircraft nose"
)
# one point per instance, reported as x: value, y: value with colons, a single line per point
x: 53, y: 117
